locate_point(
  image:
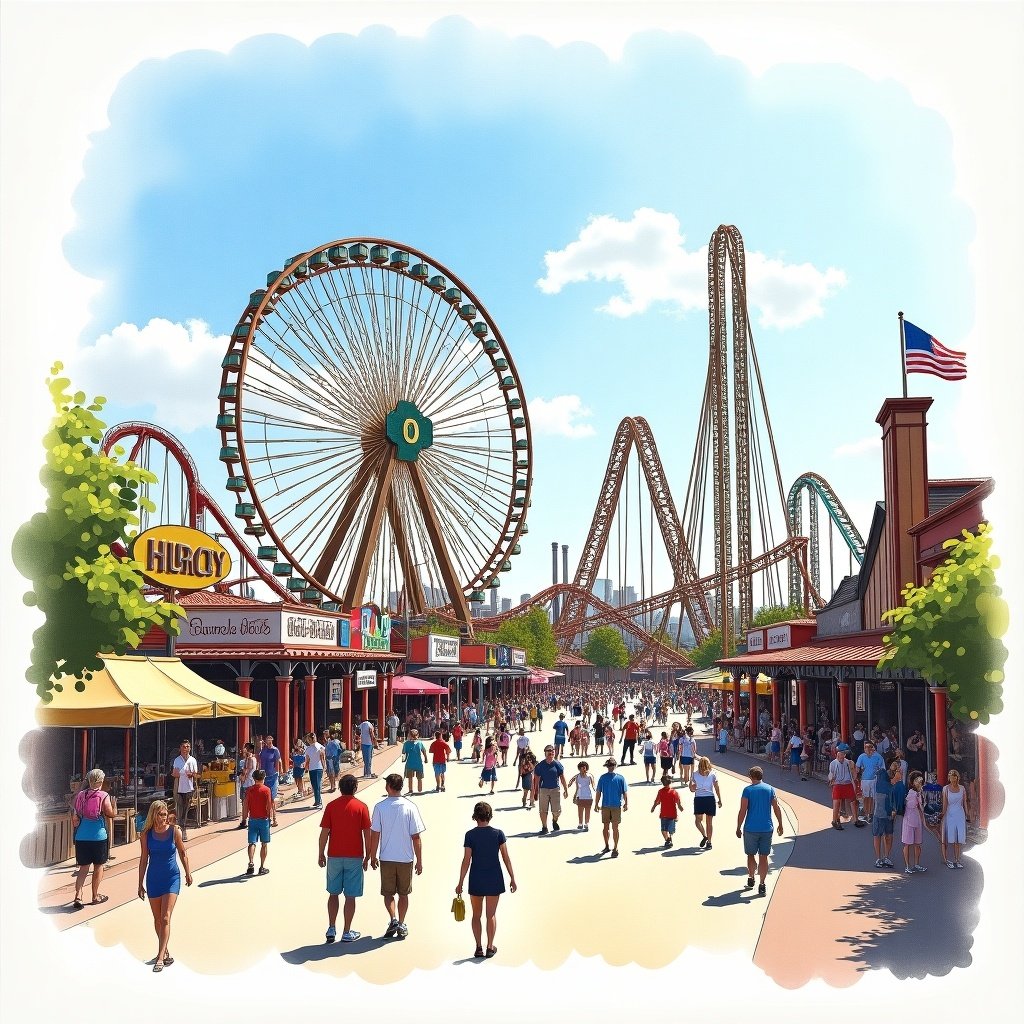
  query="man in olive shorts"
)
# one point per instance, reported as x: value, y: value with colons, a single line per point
x: 395, y: 829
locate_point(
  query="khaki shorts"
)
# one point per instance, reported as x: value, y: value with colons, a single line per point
x: 395, y: 878
x: 410, y: 775
x: 549, y: 799
x: 611, y: 815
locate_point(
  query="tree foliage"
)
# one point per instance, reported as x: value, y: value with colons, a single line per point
x: 606, y: 648
x: 771, y: 614
x: 439, y: 627
x: 532, y: 631
x: 949, y: 630
x: 709, y: 651
x: 92, y: 598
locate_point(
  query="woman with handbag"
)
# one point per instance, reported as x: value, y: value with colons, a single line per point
x: 92, y: 817
x: 485, y: 850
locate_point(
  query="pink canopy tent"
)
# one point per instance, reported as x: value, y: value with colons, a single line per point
x: 411, y: 686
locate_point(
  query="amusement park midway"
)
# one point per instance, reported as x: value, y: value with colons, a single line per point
x: 646, y: 906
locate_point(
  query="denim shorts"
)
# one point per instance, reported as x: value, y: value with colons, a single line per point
x: 757, y: 843
x: 668, y: 825
x: 345, y: 875
x: 259, y: 830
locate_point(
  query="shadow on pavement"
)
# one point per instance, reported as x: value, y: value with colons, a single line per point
x: 332, y: 951
x: 591, y: 858
x: 732, y: 899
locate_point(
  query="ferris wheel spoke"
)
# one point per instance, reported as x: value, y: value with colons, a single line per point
x: 368, y: 540
x: 436, y: 534
x: 274, y: 344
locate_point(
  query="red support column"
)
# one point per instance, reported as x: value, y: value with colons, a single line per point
x: 941, y: 745
x: 243, y: 682
x: 735, y: 700
x: 366, y: 706
x: 802, y: 703
x: 283, y: 740
x: 295, y: 702
x: 381, y: 715
x: 775, y: 701
x: 346, y: 699
x: 390, y: 676
x: 844, y: 710
x: 84, y: 752
x: 309, y: 724
x: 127, y: 755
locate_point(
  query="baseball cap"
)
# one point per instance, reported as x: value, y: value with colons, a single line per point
x: 611, y: 763
x: 843, y: 746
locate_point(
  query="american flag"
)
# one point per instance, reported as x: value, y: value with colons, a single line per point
x: 925, y: 354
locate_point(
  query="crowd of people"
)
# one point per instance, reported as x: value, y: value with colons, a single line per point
x: 873, y: 785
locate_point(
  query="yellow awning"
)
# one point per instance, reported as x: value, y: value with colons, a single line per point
x: 130, y: 686
x: 764, y: 685
x: 225, y: 703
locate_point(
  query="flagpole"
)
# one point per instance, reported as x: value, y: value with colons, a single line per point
x: 903, y: 354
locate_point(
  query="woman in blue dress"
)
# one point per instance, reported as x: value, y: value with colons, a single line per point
x: 485, y: 849
x: 159, y: 874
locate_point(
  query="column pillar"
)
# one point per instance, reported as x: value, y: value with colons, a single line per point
x: 309, y: 725
x: 802, y: 704
x: 844, y: 710
x: 775, y: 700
x: 284, y: 687
x: 346, y: 718
x: 390, y: 676
x: 127, y: 755
x: 941, y: 746
x: 366, y: 706
x: 381, y: 709
x: 83, y: 749
x: 243, y: 683
x: 735, y: 700
x: 294, y: 696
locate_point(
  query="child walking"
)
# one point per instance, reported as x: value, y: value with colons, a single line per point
x: 583, y: 782
x: 526, y: 765
x: 490, y: 770
x: 667, y: 799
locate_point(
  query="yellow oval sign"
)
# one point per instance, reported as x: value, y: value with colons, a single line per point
x: 411, y: 430
x: 180, y: 557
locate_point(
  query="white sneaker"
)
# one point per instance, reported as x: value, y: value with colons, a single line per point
x: 950, y: 864
x: 920, y: 868
x: 879, y: 863
x: 908, y: 870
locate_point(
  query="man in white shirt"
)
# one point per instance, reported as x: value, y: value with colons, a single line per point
x: 185, y: 771
x: 395, y: 829
x: 316, y: 761
x: 367, y: 741
x: 393, y: 724
x: 522, y: 746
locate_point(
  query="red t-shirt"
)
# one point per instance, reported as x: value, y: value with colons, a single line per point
x: 346, y: 817
x: 669, y: 800
x: 457, y: 733
x: 440, y: 751
x: 258, y: 801
x: 632, y: 730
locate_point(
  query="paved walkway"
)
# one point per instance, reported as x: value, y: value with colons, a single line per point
x: 829, y: 912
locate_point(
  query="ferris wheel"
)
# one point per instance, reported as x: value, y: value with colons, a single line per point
x: 374, y: 430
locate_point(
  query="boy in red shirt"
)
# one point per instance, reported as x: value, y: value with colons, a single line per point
x: 439, y: 751
x: 457, y: 734
x: 344, y: 839
x: 668, y: 800
x: 260, y: 810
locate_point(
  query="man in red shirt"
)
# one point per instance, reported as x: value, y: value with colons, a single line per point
x: 439, y: 751
x: 260, y: 810
x: 668, y: 800
x: 629, y: 732
x: 344, y: 838
x: 457, y: 734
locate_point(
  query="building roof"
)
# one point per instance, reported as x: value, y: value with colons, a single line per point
x: 836, y: 651
x: 571, y: 660
x: 217, y: 599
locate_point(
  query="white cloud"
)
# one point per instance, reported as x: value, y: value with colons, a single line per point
x: 172, y: 368
x: 648, y: 257
x: 560, y: 415
x: 854, y: 449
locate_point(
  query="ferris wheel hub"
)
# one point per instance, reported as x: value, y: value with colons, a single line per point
x: 409, y: 431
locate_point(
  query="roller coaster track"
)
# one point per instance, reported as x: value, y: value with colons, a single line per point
x: 817, y: 484
x: 633, y: 431
x: 198, y: 499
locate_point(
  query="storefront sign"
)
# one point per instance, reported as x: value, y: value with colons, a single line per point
x: 370, y: 629
x: 519, y: 658
x: 335, y: 694
x: 755, y: 640
x: 180, y: 557
x: 859, y: 695
x: 778, y: 638
x: 793, y: 694
x: 442, y: 650
x: 366, y: 679
x: 256, y: 628
x: 504, y: 656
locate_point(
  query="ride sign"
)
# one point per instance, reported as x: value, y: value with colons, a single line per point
x: 180, y: 557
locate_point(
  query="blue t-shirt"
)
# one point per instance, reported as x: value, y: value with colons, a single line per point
x: 759, y: 797
x: 333, y: 748
x: 268, y: 757
x: 561, y: 731
x: 413, y: 751
x: 548, y: 774
x: 897, y: 799
x: 612, y: 788
x: 883, y: 787
x: 871, y: 765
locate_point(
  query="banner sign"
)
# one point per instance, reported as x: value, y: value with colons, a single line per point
x: 504, y: 656
x: 519, y: 658
x: 180, y: 557
x: 335, y: 694
x: 778, y: 638
x: 442, y: 650
x: 370, y: 629
x: 366, y: 679
x: 253, y: 627
x: 755, y: 640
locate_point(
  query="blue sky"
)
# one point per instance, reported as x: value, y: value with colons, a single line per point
x: 575, y: 194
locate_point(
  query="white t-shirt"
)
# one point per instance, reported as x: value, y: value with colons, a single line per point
x: 364, y: 733
x: 585, y: 787
x: 183, y: 765
x: 397, y: 820
x: 796, y: 741
x: 648, y: 748
x: 841, y: 772
x: 315, y: 754
x: 705, y: 784
x: 686, y: 744
x: 522, y: 742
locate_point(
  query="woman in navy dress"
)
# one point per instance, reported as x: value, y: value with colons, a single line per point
x: 485, y: 849
x: 158, y: 869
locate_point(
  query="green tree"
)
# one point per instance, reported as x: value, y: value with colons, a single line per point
x: 709, y: 651
x: 531, y: 631
x: 606, y: 648
x: 777, y: 613
x: 950, y: 630
x: 92, y: 598
x: 435, y: 625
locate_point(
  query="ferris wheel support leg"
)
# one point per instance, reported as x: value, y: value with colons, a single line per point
x: 368, y: 541
x: 344, y: 521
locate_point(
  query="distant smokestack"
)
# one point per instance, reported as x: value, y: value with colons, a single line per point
x: 554, y: 579
x: 494, y: 601
x: 565, y: 563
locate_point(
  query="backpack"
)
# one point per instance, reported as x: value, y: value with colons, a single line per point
x: 88, y: 807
